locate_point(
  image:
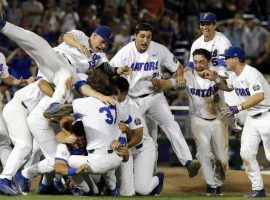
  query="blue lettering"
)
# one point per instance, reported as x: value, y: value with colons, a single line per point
x: 146, y: 66
x: 157, y: 65
x: 152, y: 66
x: 192, y: 90
x: 242, y: 91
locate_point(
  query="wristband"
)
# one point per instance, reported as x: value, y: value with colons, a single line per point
x: 239, y: 107
x: 218, y: 79
x: 71, y: 171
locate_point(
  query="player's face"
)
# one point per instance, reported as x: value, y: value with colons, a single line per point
x: 208, y: 29
x: 121, y: 96
x: 97, y: 43
x: 142, y: 40
x: 230, y: 63
x: 200, y: 63
x: 81, y: 141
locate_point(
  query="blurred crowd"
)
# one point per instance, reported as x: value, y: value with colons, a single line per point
x: 245, y: 22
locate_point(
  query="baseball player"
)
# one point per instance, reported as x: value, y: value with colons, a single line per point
x: 210, y: 129
x: 58, y: 64
x: 216, y: 43
x: 146, y: 58
x: 253, y: 91
x: 77, y: 147
x: 43, y: 131
x: 15, y: 113
x: 140, y: 165
x: 102, y: 132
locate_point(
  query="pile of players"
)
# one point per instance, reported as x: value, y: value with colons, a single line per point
x: 89, y: 122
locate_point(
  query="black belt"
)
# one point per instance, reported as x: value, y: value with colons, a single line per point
x: 259, y: 114
x: 93, y: 150
x: 209, y: 119
x: 139, y: 146
x: 23, y: 104
x: 144, y: 95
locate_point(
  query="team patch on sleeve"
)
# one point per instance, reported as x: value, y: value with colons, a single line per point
x: 256, y: 87
x: 137, y: 121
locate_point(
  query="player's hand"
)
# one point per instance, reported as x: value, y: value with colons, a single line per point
x: 108, y: 100
x: 24, y: 82
x: 210, y: 75
x: 187, y: 68
x: 157, y: 83
x: 230, y: 110
x: 124, y: 70
x: 180, y: 80
x: 122, y: 151
x: 84, y: 168
x: 123, y: 127
x: 115, y: 145
x: 71, y: 139
x: 84, y: 50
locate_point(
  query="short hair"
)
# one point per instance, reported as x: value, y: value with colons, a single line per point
x: 121, y: 83
x: 205, y: 53
x: 101, y: 82
x: 78, y: 129
x: 143, y: 27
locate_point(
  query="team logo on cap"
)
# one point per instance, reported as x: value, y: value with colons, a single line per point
x: 205, y: 15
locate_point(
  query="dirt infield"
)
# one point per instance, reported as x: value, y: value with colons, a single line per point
x: 178, y: 182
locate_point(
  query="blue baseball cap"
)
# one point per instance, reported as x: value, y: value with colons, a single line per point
x: 208, y: 17
x: 105, y: 32
x: 234, y: 51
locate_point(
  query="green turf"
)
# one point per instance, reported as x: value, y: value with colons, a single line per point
x: 169, y: 197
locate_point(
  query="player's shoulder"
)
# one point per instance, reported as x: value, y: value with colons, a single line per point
x: 61, y: 147
x: 252, y: 71
x: 198, y: 41
x: 2, y: 57
x: 221, y: 37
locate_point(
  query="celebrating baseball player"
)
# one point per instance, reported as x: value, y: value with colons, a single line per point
x: 57, y: 64
x: 140, y: 165
x: 146, y: 58
x: 216, y: 43
x: 253, y: 91
x: 209, y: 128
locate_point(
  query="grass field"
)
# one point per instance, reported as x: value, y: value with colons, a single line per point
x: 169, y: 197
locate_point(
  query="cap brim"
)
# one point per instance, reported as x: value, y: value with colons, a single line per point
x: 208, y: 21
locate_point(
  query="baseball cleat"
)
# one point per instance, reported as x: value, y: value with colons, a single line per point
x: 211, y: 191
x: 77, y: 192
x: 57, y: 110
x: 193, y: 167
x: 219, y: 191
x: 115, y: 192
x: 22, y: 182
x: 158, y: 189
x: 45, y: 189
x: 59, y: 187
x: 256, y: 193
x: 8, y: 187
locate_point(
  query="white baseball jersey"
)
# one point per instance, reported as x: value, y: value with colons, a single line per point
x: 76, y: 57
x: 3, y: 67
x: 205, y: 98
x: 64, y: 151
x: 100, y: 122
x: 216, y: 47
x: 144, y: 65
x: 137, y: 121
x: 250, y: 82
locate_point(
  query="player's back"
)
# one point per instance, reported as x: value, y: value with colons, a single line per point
x: 99, y: 120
